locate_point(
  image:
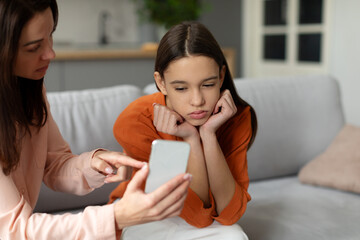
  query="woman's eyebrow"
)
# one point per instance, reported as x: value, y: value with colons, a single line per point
x: 32, y: 42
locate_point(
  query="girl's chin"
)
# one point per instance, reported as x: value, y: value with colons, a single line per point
x: 197, y: 122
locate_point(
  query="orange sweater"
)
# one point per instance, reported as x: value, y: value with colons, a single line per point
x: 134, y: 130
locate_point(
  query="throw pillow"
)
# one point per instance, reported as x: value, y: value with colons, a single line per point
x: 339, y: 166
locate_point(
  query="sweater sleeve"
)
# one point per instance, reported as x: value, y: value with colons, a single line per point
x: 194, y: 211
x: 235, y: 151
x: 18, y: 222
x: 64, y: 171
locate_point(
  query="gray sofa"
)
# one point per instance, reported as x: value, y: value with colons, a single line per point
x: 298, y: 117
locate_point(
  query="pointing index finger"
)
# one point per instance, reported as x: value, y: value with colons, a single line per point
x: 117, y: 159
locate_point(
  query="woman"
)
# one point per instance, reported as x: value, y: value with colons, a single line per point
x: 32, y: 149
x: 197, y: 103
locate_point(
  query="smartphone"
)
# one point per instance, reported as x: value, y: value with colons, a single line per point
x: 167, y: 160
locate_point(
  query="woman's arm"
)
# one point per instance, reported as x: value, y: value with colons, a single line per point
x: 18, y: 222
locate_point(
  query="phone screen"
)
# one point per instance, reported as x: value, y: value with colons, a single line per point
x: 167, y: 160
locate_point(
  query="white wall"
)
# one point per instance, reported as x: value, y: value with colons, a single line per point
x: 345, y: 55
x: 79, y: 21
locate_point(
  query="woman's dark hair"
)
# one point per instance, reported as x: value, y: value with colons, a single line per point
x: 193, y: 38
x: 22, y: 103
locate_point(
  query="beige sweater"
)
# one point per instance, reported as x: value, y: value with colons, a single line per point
x: 47, y: 157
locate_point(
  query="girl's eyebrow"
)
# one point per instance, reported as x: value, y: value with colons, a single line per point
x: 210, y: 78
x: 32, y: 42
x: 177, y: 82
x: 183, y: 82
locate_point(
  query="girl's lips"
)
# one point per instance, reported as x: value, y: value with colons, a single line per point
x: 198, y: 114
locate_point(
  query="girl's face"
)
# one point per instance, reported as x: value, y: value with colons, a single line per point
x: 192, y: 87
x: 35, y: 46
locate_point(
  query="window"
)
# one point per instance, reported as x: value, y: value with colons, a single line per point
x: 275, y: 20
x: 284, y: 37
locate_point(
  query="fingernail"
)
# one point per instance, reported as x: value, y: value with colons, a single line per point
x: 144, y: 167
x: 109, y: 170
x: 188, y: 176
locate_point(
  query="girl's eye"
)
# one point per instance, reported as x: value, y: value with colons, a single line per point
x: 180, y: 88
x: 209, y: 85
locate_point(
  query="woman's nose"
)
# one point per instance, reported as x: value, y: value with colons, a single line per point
x: 49, y: 53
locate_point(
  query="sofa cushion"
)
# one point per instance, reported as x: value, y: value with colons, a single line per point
x: 339, y: 166
x: 284, y: 208
x: 298, y: 117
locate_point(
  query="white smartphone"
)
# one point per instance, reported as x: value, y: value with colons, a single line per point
x: 167, y: 160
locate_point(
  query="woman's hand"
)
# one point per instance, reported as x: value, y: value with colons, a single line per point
x: 224, y: 109
x: 170, y: 122
x: 137, y: 207
x: 115, y: 166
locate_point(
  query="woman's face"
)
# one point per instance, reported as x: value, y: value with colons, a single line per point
x: 35, y: 46
x: 192, y: 87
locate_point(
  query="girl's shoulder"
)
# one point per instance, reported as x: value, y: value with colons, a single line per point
x: 148, y: 100
x: 243, y: 112
x: 141, y: 108
x: 144, y: 103
x: 236, y: 131
x: 240, y: 122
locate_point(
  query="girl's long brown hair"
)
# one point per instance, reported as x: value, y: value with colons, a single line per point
x: 22, y: 103
x: 193, y: 38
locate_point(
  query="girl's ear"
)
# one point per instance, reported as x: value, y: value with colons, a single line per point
x: 222, y: 75
x: 160, y: 83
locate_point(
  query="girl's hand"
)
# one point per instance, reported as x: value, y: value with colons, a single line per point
x: 170, y: 122
x: 224, y: 109
x: 137, y: 207
x: 115, y: 166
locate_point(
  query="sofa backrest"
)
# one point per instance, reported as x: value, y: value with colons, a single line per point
x: 86, y: 118
x: 298, y: 117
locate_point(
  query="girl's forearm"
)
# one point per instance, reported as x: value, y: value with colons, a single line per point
x: 197, y: 167
x: 221, y: 181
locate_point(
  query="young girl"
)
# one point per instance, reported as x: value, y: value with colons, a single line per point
x: 32, y: 149
x: 198, y: 104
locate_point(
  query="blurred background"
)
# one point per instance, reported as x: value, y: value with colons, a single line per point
x: 101, y: 43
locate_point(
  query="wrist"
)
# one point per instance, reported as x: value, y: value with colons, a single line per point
x: 206, y: 133
x: 192, y: 138
x: 119, y: 216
